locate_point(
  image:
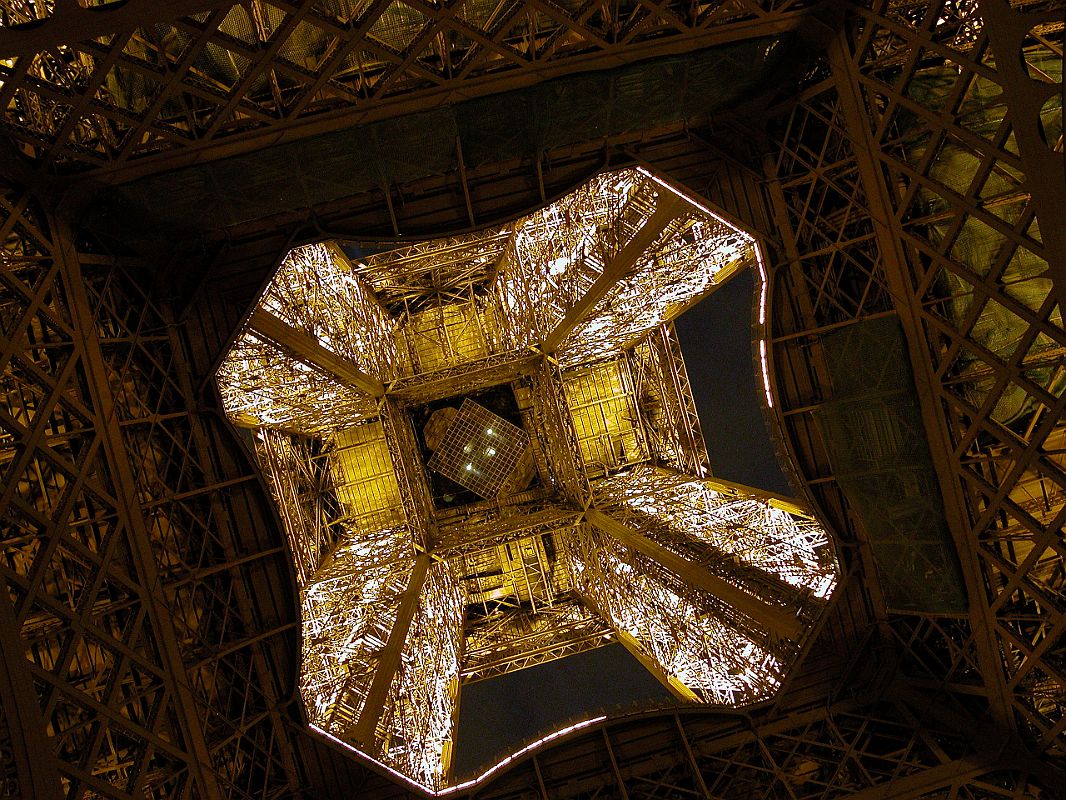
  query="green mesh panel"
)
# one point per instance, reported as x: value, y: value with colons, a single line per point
x: 873, y: 433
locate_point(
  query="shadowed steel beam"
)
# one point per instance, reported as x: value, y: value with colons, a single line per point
x: 70, y: 23
x: 667, y: 209
x: 30, y: 756
x: 363, y: 730
x: 132, y: 518
x: 889, y: 236
x: 307, y: 349
x: 922, y: 784
x: 778, y: 621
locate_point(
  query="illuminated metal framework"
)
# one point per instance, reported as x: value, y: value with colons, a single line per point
x: 906, y: 168
x: 697, y: 588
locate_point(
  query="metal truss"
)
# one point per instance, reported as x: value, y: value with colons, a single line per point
x: 516, y: 640
x: 845, y: 749
x: 347, y: 624
x: 300, y: 484
x: 779, y: 546
x: 107, y: 89
x: 670, y: 623
x: 147, y: 633
x: 520, y: 578
x: 665, y: 401
x: 266, y: 386
x: 911, y: 185
x: 138, y: 644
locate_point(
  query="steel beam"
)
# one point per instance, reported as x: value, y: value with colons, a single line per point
x: 32, y: 756
x: 389, y: 663
x: 778, y: 621
x: 666, y: 210
x: 69, y: 23
x: 889, y: 237
x: 635, y: 649
x: 306, y: 348
x: 131, y: 515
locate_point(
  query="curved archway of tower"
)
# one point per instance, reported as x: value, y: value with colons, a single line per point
x: 486, y: 455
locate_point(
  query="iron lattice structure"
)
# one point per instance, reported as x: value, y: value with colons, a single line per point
x: 578, y: 533
x: 899, y: 162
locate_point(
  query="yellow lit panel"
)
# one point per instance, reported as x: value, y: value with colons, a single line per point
x: 602, y: 406
x: 364, y: 476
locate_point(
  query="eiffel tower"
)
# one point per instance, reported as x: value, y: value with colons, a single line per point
x: 271, y: 267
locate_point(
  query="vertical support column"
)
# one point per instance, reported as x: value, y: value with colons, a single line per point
x: 32, y: 752
x: 888, y: 235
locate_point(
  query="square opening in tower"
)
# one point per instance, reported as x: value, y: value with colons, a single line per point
x: 479, y: 450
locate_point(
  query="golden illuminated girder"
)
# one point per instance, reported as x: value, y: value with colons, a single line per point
x: 778, y: 621
x: 766, y: 543
x: 297, y: 480
x: 665, y: 402
x: 317, y: 292
x: 417, y: 727
x: 346, y: 622
x: 700, y: 648
x: 679, y: 690
x: 263, y: 386
x: 364, y: 729
x: 557, y: 253
x: 418, y: 596
x: 700, y: 252
x: 307, y: 349
x: 667, y: 207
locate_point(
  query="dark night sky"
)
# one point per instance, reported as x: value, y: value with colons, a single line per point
x: 498, y: 716
x: 716, y: 341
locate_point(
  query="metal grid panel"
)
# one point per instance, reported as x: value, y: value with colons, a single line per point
x: 603, y: 407
x: 364, y: 478
x: 479, y: 450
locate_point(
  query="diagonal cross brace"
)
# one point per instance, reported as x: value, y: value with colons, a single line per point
x: 666, y: 211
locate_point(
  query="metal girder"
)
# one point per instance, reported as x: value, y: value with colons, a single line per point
x: 70, y: 22
x: 667, y: 209
x: 389, y: 662
x: 1045, y: 167
x: 31, y: 755
x: 131, y: 514
x: 777, y: 621
x: 669, y: 682
x: 307, y: 349
x: 328, y: 98
x: 894, y: 262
